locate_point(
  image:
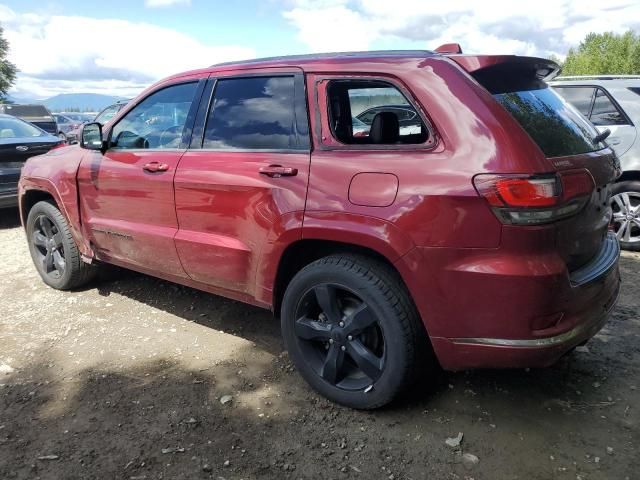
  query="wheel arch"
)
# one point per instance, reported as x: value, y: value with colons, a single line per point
x: 322, y: 234
x: 30, y: 198
x: 32, y: 190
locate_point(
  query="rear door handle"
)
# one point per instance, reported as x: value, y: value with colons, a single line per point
x: 155, y: 167
x: 277, y: 171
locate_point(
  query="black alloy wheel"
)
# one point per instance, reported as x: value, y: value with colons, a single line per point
x: 352, y: 330
x: 341, y: 336
x: 53, y: 249
x: 49, y: 249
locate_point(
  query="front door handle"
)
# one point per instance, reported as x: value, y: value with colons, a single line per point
x: 154, y: 167
x: 277, y: 171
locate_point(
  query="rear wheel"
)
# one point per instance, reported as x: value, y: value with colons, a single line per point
x: 625, y: 202
x: 53, y: 250
x: 352, y: 330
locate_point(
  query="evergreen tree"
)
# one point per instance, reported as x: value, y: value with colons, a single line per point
x: 7, y: 69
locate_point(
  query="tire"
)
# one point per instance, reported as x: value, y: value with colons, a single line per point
x: 625, y: 201
x: 62, y: 136
x: 319, y: 343
x: 50, y: 240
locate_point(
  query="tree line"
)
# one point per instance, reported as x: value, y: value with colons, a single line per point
x: 604, y: 54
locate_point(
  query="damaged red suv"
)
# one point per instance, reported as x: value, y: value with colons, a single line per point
x: 473, y: 231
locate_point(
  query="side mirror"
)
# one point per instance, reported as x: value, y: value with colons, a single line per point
x: 91, y: 137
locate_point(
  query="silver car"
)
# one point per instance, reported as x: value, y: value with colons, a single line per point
x: 613, y: 102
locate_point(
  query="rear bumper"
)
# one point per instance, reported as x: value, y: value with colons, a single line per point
x: 500, y: 309
x: 464, y: 353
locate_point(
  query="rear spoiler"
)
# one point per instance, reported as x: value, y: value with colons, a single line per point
x: 501, y: 73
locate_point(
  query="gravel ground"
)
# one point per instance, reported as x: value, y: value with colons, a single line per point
x: 136, y: 378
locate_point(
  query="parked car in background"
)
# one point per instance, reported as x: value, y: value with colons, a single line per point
x: 79, y: 117
x: 407, y: 117
x: 613, y: 103
x: 19, y: 140
x: 70, y: 124
x: 480, y: 239
x: 103, y: 117
x: 66, y: 125
x: 38, y: 115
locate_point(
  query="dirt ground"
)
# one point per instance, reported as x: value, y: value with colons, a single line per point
x: 124, y: 380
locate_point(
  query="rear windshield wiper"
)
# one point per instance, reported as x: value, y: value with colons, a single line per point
x: 602, y: 137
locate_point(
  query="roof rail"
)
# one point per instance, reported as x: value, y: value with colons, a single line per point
x: 598, y: 77
x: 332, y: 56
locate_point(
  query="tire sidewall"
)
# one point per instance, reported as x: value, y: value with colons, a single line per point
x: 396, y: 358
x: 53, y: 214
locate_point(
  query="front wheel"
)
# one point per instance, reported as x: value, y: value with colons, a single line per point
x: 351, y: 330
x: 53, y: 250
x: 625, y: 202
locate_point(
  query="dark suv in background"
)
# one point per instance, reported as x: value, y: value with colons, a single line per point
x: 39, y: 115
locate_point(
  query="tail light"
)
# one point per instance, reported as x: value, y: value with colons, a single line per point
x: 537, y: 199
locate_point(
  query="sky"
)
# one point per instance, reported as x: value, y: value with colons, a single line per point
x: 118, y: 47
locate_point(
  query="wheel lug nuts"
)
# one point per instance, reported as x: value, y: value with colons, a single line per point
x: 341, y: 324
x: 343, y: 348
x: 331, y: 340
x: 350, y: 337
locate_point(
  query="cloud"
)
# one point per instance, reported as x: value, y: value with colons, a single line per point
x: 64, y: 54
x: 542, y: 28
x: 165, y: 3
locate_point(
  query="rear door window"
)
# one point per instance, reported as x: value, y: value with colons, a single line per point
x: 580, y: 97
x: 252, y: 113
x: 557, y: 128
x: 605, y: 112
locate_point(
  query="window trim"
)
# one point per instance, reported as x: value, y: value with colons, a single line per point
x: 188, y: 125
x: 593, y: 101
x: 432, y: 140
x: 615, y: 104
x: 300, y: 113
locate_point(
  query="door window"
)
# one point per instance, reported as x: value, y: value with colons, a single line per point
x: 252, y: 113
x: 157, y: 122
x: 579, y: 97
x: 605, y: 112
x: 372, y: 112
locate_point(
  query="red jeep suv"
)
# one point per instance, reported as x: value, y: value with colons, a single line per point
x: 478, y: 237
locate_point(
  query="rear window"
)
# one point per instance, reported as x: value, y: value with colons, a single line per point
x: 27, y: 110
x: 15, y: 128
x: 557, y: 128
